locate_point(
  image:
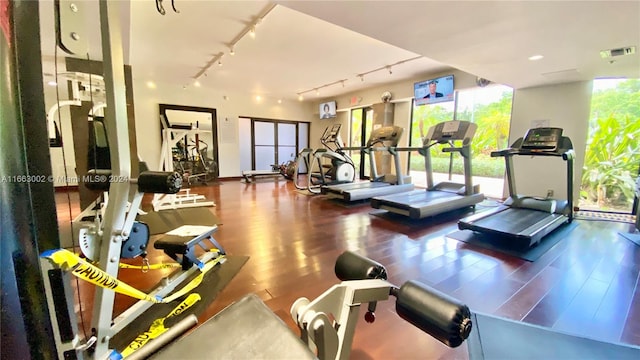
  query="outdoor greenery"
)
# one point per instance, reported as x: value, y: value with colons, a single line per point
x: 493, y: 121
x: 613, y: 151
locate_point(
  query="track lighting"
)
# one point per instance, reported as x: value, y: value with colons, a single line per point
x: 250, y: 29
x: 388, y: 68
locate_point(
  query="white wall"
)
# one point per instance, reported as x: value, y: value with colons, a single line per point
x: 146, y: 102
x: 566, y: 106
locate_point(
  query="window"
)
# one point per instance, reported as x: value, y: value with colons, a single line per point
x: 490, y: 108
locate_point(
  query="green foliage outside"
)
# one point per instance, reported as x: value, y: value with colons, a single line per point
x: 613, y: 151
x: 493, y: 121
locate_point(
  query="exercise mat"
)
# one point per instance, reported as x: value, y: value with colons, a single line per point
x: 163, y: 221
x: 633, y: 237
x: 499, y: 338
x: 214, y: 281
x: 506, y: 246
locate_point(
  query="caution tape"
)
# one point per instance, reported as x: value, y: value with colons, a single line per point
x: 158, y: 266
x: 68, y: 261
x: 157, y: 327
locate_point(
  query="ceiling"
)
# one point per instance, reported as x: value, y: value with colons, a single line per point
x: 301, y: 46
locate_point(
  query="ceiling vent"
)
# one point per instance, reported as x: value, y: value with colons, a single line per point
x: 605, y: 54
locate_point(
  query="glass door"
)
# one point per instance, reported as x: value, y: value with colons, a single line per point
x: 361, y: 126
x: 274, y: 142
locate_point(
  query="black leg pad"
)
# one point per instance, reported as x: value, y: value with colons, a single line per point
x: 351, y: 266
x: 433, y: 312
x: 159, y: 182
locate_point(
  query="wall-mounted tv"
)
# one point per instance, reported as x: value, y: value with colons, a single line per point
x: 328, y: 110
x: 433, y: 90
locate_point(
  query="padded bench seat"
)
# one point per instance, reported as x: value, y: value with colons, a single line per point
x: 180, y: 243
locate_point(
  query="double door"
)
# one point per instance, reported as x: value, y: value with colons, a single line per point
x: 272, y: 142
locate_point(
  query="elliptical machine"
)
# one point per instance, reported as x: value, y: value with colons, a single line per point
x: 339, y: 168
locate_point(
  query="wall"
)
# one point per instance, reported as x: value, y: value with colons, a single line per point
x: 565, y: 106
x: 402, y: 94
x: 228, y: 111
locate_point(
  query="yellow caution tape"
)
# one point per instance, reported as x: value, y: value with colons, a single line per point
x: 159, y: 266
x: 69, y: 261
x: 157, y: 327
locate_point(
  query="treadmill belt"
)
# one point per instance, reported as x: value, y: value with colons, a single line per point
x: 512, y: 221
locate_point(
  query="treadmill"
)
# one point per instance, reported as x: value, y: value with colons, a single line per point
x: 384, y: 139
x: 444, y: 196
x: 525, y: 220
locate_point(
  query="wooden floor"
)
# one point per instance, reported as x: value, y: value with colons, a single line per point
x: 586, y: 285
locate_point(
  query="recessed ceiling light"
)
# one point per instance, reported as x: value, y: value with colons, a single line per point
x: 300, y: 97
x: 279, y: 101
x: 151, y: 85
x: 196, y: 83
x: 52, y: 83
x: 535, y: 57
x: 258, y: 97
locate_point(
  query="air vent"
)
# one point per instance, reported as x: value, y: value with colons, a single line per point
x: 605, y: 54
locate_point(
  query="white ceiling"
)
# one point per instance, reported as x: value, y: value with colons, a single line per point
x: 302, y: 45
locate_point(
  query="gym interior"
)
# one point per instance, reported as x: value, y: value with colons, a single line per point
x: 310, y: 179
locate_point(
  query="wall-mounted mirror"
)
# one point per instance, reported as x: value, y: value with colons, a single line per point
x: 190, y: 142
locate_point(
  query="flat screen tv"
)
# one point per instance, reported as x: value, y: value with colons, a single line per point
x: 328, y: 110
x: 433, y: 90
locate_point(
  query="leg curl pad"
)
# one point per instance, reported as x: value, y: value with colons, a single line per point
x: 433, y: 312
x: 351, y: 266
x: 159, y: 182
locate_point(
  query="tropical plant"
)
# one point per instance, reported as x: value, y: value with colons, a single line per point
x: 613, y: 150
x: 611, y: 161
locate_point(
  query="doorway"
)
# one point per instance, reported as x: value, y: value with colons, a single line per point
x: 360, y: 129
x: 272, y: 142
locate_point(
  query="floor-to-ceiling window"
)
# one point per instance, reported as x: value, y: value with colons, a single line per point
x: 490, y: 108
x: 612, y: 155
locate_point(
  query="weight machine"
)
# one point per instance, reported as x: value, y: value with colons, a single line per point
x: 175, y: 151
x: 113, y: 234
x: 327, y: 324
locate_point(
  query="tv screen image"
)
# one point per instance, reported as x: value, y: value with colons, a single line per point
x: 433, y: 90
x: 328, y: 110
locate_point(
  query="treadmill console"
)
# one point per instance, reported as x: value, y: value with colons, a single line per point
x: 451, y: 131
x: 542, y: 139
x: 390, y: 134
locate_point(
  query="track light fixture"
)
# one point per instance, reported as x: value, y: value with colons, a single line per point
x: 388, y: 68
x: 317, y: 89
x: 250, y: 29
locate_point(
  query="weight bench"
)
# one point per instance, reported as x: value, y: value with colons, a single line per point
x: 249, y: 175
x: 180, y: 244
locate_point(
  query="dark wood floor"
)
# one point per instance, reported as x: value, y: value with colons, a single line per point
x: 586, y: 285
